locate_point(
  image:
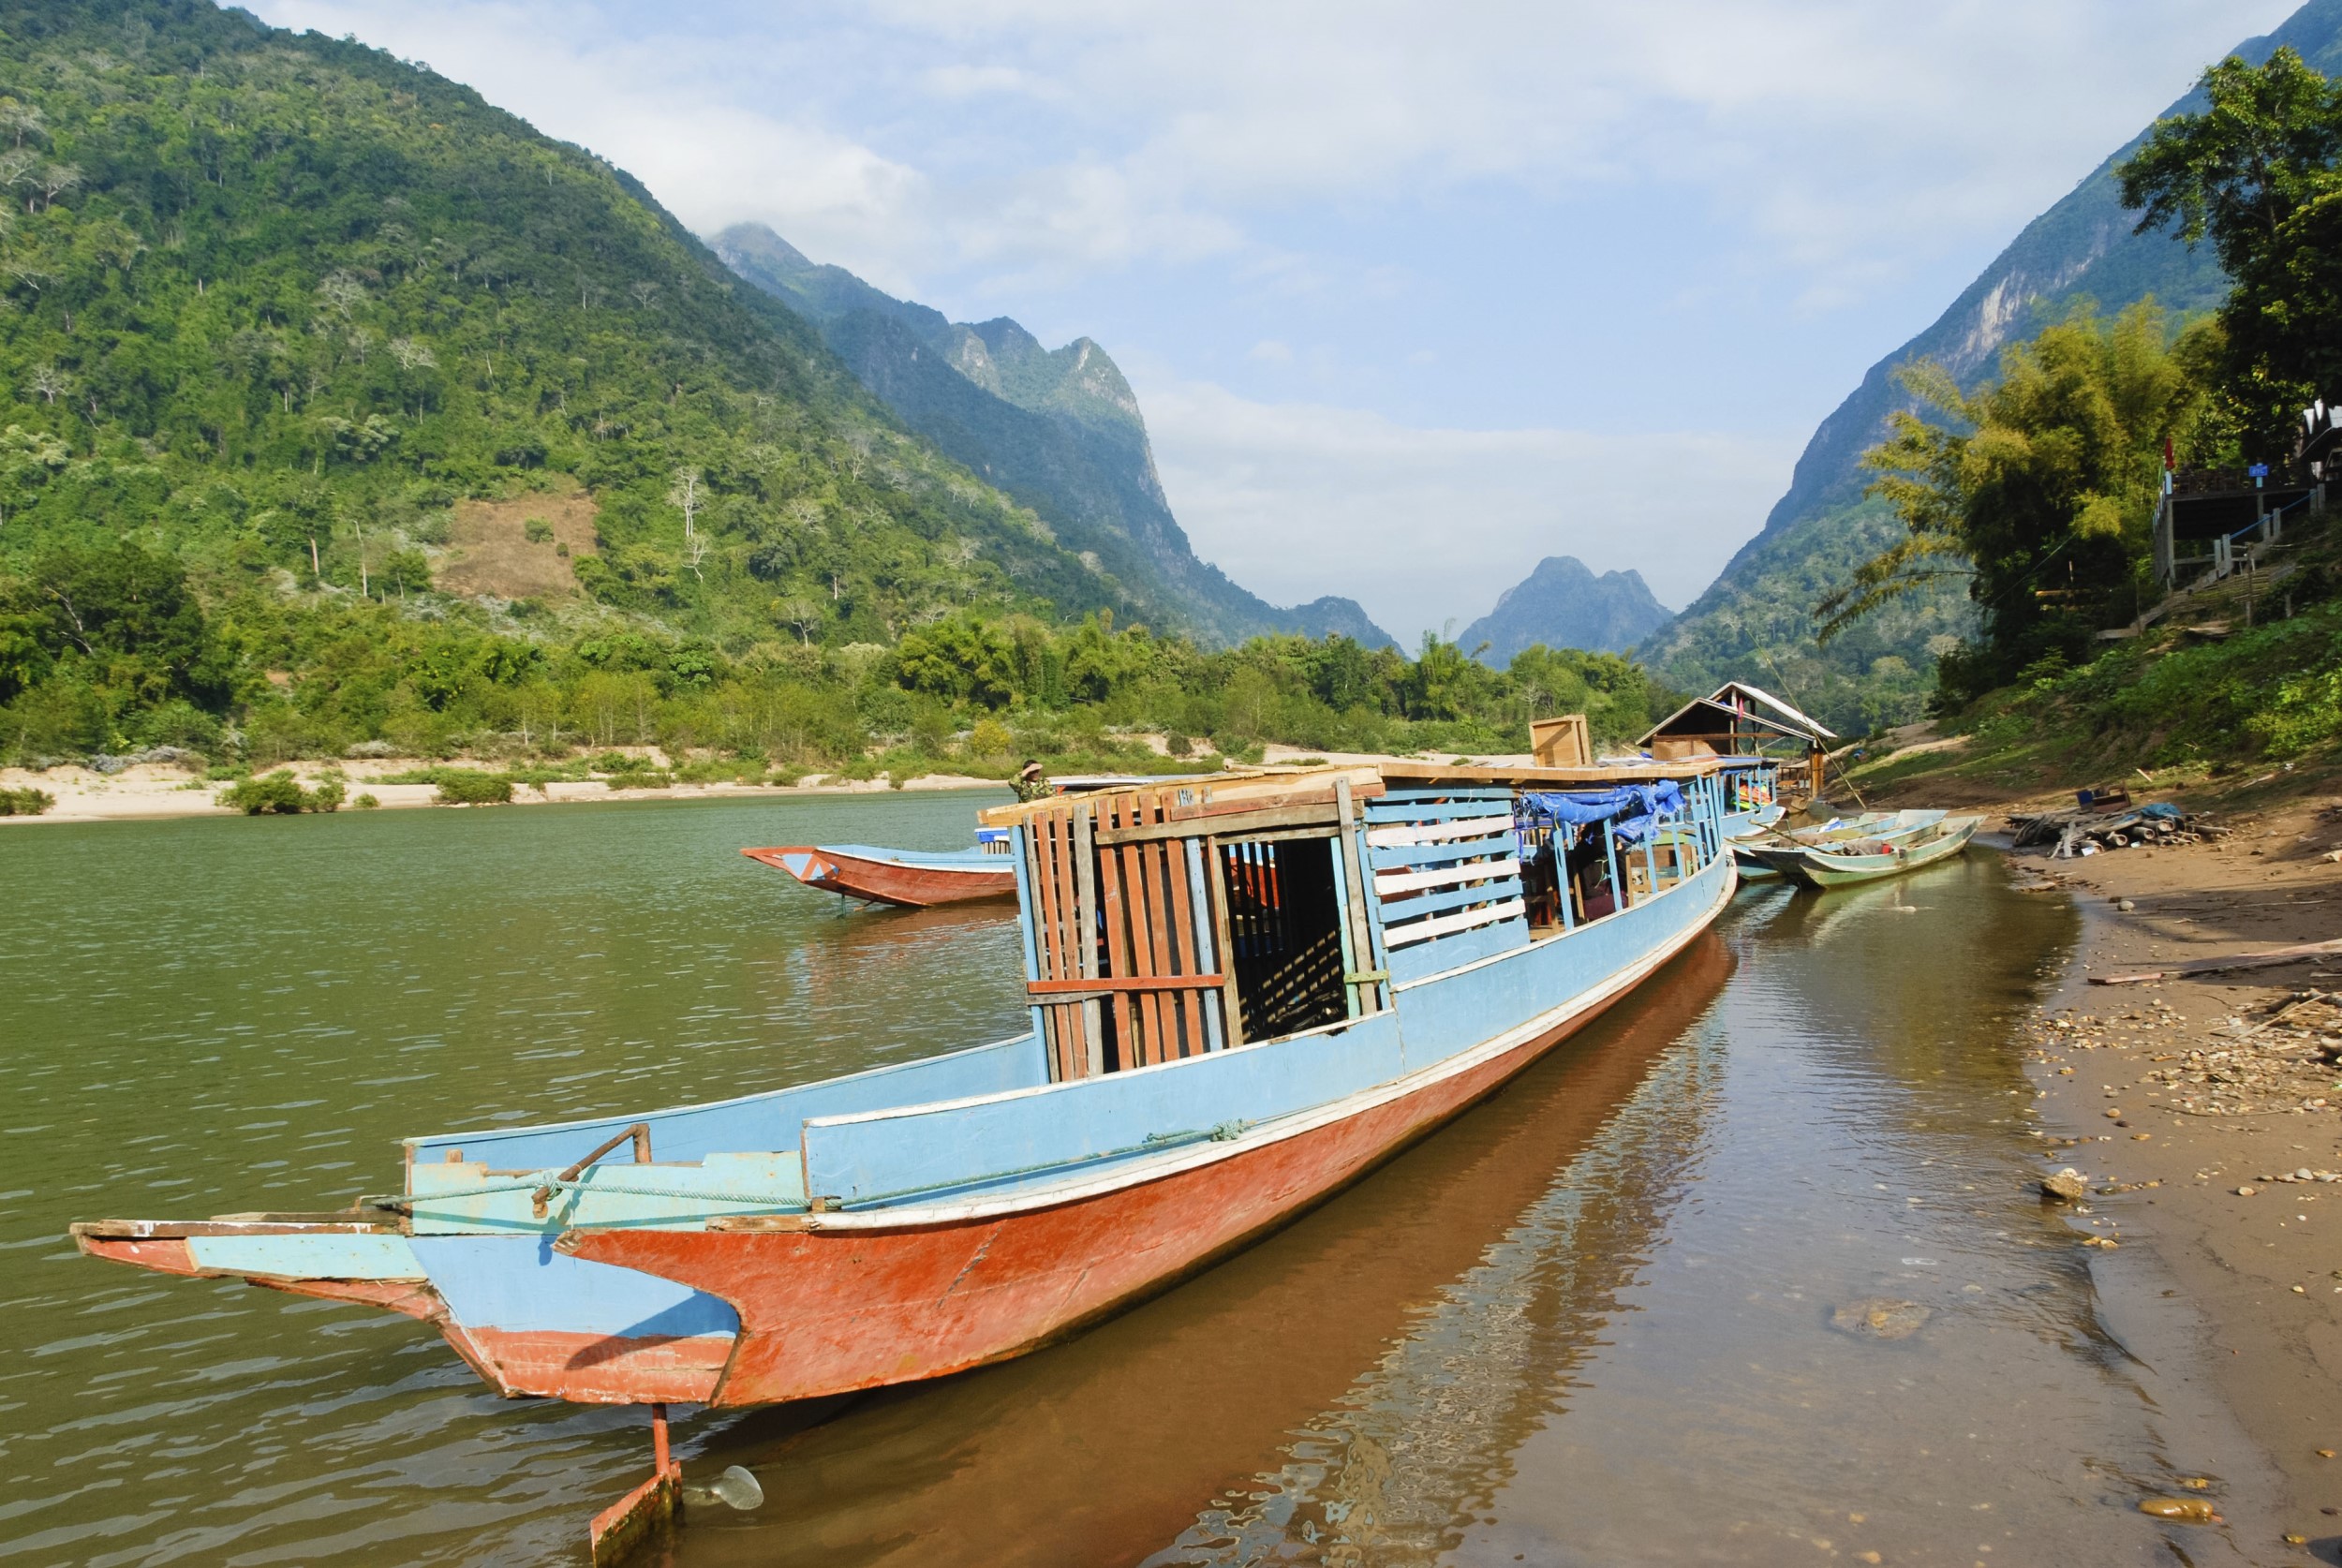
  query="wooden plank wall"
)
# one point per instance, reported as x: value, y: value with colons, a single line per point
x: 1128, y: 923
x: 1447, y: 867
x: 1158, y: 929
x: 1065, y: 948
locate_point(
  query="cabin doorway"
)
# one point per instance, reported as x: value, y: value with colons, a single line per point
x: 1285, y: 930
x: 1149, y: 937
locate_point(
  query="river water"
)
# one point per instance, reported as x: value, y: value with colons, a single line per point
x: 1613, y: 1316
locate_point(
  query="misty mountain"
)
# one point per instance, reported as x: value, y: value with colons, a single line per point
x: 1060, y: 430
x: 1755, y: 622
x: 1564, y: 605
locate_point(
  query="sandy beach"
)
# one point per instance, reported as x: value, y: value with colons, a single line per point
x: 147, y: 792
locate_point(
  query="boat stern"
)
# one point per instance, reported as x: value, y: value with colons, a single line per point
x: 341, y: 1256
x: 803, y: 862
x: 529, y: 1320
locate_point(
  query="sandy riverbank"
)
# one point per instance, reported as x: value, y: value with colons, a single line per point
x: 2190, y: 1128
x: 147, y: 792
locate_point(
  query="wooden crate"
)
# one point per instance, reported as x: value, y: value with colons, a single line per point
x: 1566, y: 741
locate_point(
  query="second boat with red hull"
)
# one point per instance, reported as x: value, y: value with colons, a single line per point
x: 911, y: 879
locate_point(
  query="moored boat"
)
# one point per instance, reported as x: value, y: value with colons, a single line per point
x: 1750, y: 844
x: 912, y: 879
x: 1865, y: 858
x: 1245, y: 993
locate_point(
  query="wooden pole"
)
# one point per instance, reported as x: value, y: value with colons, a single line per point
x: 1085, y: 928
x: 1229, y: 997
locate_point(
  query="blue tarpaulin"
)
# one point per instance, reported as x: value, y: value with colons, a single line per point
x: 1629, y: 808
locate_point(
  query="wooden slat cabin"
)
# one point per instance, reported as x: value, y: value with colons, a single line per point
x: 1166, y: 920
x: 1162, y: 920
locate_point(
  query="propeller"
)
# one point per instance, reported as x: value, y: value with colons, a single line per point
x: 736, y: 1488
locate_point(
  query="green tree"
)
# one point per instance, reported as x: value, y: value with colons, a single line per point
x: 2255, y: 172
x: 959, y: 657
x: 2039, y: 488
x: 127, y: 616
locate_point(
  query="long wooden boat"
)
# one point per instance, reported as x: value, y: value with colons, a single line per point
x: 912, y: 879
x: 1865, y: 860
x: 1245, y: 994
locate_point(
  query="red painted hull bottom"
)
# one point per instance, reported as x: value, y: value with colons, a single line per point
x: 827, y: 1311
x: 594, y: 1369
x: 879, y: 882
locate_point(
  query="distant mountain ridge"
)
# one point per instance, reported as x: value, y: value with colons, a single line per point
x: 1562, y: 604
x: 1060, y: 430
x: 1755, y: 620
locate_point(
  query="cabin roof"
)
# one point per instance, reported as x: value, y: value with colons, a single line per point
x: 1738, y: 700
x: 1273, y: 786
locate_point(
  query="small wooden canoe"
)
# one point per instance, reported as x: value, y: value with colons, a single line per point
x: 1866, y: 860
x: 912, y: 879
x: 1887, y: 825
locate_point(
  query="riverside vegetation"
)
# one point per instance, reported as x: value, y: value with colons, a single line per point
x: 2039, y: 490
x: 274, y: 308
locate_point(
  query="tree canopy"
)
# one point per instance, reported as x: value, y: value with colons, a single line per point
x: 2040, y: 488
x: 2255, y: 172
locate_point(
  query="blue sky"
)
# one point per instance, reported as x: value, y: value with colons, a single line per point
x: 1412, y: 295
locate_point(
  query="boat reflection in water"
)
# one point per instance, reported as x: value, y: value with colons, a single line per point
x: 1100, y: 1450
x: 1611, y: 1318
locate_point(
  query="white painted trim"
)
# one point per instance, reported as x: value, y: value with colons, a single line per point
x: 1436, y: 832
x: 1448, y: 925
x: 1389, y: 885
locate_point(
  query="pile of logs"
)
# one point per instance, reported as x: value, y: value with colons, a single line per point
x: 2077, y: 831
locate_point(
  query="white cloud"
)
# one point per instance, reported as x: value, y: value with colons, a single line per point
x: 1842, y: 133
x: 967, y: 81
x: 658, y: 107
x: 1428, y: 525
x: 1324, y: 172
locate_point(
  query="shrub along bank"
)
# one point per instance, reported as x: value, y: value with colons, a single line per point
x: 116, y: 648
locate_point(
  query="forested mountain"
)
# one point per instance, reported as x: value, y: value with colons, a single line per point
x: 1564, y: 605
x: 1060, y: 430
x: 278, y: 303
x: 1755, y: 620
x: 339, y: 408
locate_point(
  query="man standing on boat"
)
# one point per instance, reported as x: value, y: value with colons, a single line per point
x: 1029, y: 784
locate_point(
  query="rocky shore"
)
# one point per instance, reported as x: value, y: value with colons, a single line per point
x: 2200, y: 1113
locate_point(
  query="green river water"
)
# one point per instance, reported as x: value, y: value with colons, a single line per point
x: 1590, y: 1322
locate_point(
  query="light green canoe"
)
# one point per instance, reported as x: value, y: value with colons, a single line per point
x: 1887, y: 827
x: 1845, y: 863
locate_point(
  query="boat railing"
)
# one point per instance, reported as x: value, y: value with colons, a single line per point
x: 768, y: 1119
